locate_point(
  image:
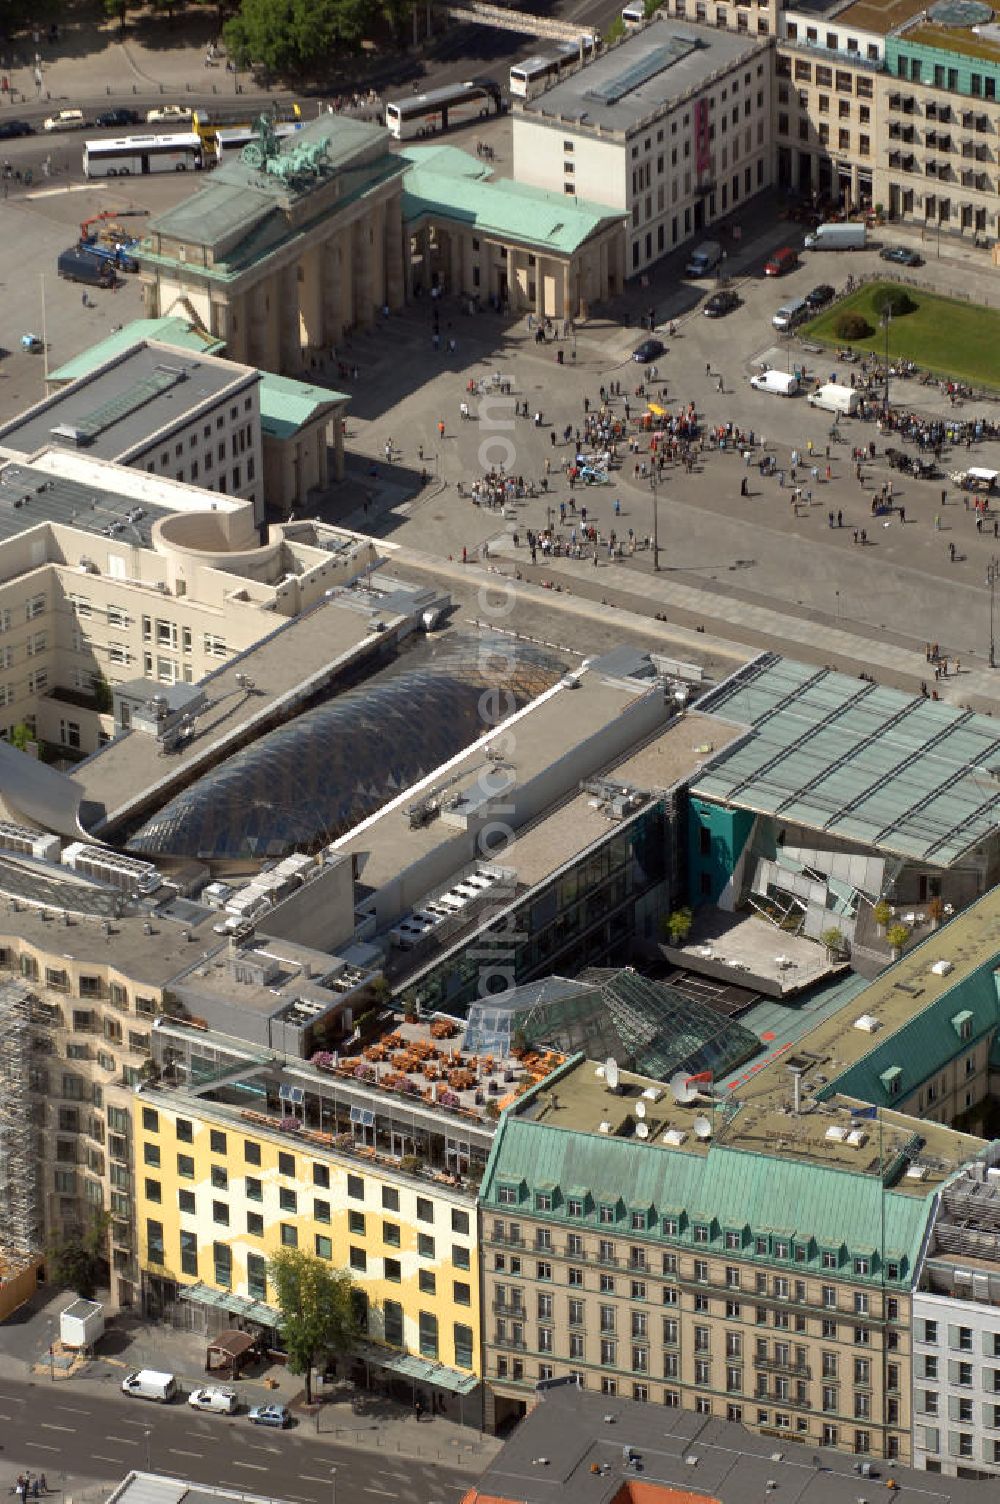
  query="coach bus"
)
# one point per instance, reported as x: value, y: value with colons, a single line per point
x: 127, y: 156
x: 536, y: 73
x: 208, y: 123
x: 441, y: 109
x: 230, y: 140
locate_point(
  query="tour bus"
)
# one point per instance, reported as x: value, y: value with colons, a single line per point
x: 208, y: 123
x: 440, y: 109
x: 534, y: 74
x: 125, y: 156
x: 230, y: 140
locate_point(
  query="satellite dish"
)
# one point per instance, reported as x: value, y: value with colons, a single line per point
x: 683, y: 1094
x: 611, y: 1073
x: 642, y: 1130
x: 702, y: 1128
x: 640, y: 1109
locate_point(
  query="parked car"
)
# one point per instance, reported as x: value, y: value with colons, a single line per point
x: 781, y: 262
x: 32, y: 342
x: 270, y: 1415
x: 168, y: 112
x: 820, y: 296
x: 650, y: 349
x: 721, y: 303
x: 118, y: 117
x: 901, y: 254
x: 65, y: 120
x: 220, y: 1401
x: 11, y: 128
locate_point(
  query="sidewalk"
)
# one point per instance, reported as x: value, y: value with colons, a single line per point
x: 379, y: 1424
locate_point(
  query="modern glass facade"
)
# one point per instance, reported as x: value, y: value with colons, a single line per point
x: 584, y: 915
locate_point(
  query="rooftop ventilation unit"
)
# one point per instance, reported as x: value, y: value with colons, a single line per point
x: 942, y: 968
x: 835, y: 1133
x: 868, y: 1023
x: 675, y: 1137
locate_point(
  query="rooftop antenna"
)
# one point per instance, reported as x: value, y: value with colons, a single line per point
x: 611, y: 1073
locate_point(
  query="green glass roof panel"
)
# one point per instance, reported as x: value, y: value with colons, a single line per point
x: 914, y: 777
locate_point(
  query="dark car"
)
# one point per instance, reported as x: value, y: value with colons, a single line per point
x: 10, y: 128
x: 721, y: 303
x: 820, y: 295
x: 650, y: 349
x: 118, y: 117
x: 901, y: 254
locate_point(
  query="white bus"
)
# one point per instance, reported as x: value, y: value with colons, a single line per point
x: 230, y: 140
x: 439, y: 110
x: 125, y: 156
x: 536, y: 73
x: 634, y: 15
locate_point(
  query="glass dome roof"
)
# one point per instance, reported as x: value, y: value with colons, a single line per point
x: 308, y: 782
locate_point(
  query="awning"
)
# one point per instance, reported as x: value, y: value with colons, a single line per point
x: 988, y: 477
x: 236, y: 1305
x: 232, y: 1342
x: 420, y: 1370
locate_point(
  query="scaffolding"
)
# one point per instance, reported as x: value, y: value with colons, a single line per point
x: 20, y: 1226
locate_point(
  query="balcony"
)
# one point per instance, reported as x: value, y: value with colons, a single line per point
x: 516, y: 1313
x: 771, y: 1365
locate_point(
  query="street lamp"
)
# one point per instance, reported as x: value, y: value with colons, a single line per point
x: 992, y: 575
x: 149, y: 1465
x: 333, y: 1485
x: 52, y: 1364
x: 656, y: 527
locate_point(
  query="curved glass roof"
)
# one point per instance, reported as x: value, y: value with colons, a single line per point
x: 307, y: 782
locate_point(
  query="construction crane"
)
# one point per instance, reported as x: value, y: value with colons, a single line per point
x: 110, y: 214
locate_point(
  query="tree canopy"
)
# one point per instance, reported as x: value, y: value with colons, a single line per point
x: 317, y: 1305
x: 295, y: 37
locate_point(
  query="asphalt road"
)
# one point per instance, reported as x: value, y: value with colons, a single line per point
x: 80, y: 1440
x: 465, y: 50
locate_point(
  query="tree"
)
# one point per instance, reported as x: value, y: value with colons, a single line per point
x: 21, y: 736
x: 882, y: 913
x: 833, y: 939
x: 615, y: 31
x: 317, y: 1305
x: 295, y: 36
x: 678, y: 926
x: 897, y: 936
x: 78, y: 1260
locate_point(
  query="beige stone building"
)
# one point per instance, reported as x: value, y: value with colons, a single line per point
x: 281, y: 261
x: 126, y: 575
x: 671, y: 128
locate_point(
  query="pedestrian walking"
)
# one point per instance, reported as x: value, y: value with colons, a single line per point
x: 440, y: 428
x: 840, y: 519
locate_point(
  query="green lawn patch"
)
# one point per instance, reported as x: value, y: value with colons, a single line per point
x: 960, y: 340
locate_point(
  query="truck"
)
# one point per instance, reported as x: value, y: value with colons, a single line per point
x: 81, y: 1324
x: 837, y: 237
x: 834, y: 398
x: 117, y: 255
x: 81, y: 266
x: 777, y: 383
x: 703, y: 258
x: 150, y: 1384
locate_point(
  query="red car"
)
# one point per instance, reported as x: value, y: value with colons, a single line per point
x: 781, y: 262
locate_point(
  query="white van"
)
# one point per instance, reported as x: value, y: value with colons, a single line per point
x: 834, y: 398
x: 778, y: 383
x: 147, y: 1384
x: 633, y: 15
x: 790, y: 314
